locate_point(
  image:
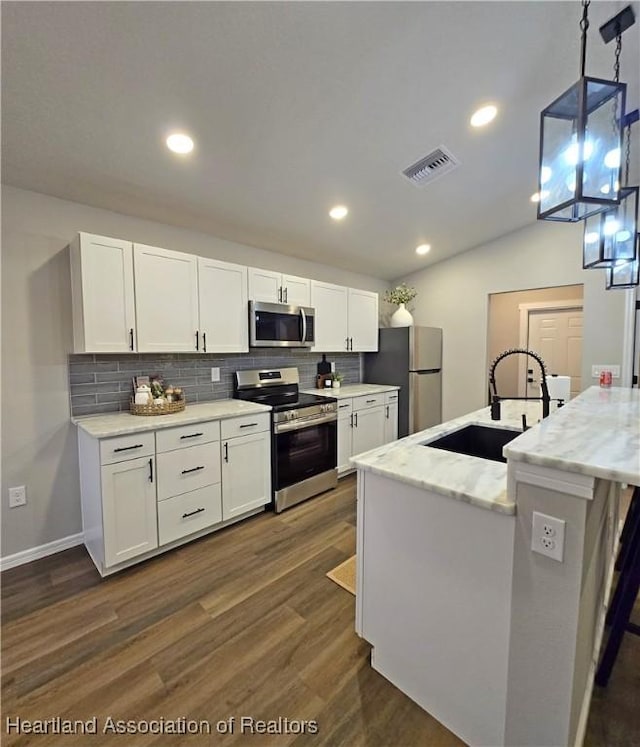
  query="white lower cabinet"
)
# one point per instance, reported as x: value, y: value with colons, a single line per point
x: 129, y: 509
x: 144, y: 492
x: 364, y: 423
x: 246, y: 473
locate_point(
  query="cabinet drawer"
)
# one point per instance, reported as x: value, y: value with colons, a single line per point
x: 188, y: 513
x: 345, y: 407
x: 121, y: 448
x: 245, y: 425
x: 390, y: 397
x: 188, y: 469
x: 366, y: 401
x: 185, y: 436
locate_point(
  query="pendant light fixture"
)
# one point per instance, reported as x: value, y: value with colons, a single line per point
x: 580, y: 144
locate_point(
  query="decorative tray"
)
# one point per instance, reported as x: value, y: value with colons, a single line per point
x: 166, y: 408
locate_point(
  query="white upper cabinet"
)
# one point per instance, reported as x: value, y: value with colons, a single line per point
x: 102, y: 295
x: 223, y: 307
x: 273, y: 287
x: 346, y: 318
x: 363, y: 321
x: 330, y: 302
x: 166, y: 285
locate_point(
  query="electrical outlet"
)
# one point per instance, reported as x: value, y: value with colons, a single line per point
x: 596, y: 369
x: 17, y: 496
x: 333, y: 366
x: 547, y: 536
x: 215, y: 374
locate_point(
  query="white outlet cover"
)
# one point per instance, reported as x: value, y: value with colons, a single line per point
x: 17, y: 496
x: 215, y: 374
x: 547, y: 536
x: 597, y: 368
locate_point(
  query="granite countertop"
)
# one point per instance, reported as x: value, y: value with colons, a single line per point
x: 353, y: 390
x: 596, y: 434
x: 118, y: 424
x: 480, y: 482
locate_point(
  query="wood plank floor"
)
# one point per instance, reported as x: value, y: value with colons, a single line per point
x: 240, y: 623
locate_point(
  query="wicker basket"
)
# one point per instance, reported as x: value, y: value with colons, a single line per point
x: 168, y: 408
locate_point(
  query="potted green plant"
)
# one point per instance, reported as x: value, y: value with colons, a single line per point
x: 337, y: 380
x: 401, y: 295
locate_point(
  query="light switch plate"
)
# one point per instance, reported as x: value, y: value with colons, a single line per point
x: 596, y: 369
x: 215, y: 374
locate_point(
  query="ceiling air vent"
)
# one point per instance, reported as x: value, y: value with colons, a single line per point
x: 427, y: 169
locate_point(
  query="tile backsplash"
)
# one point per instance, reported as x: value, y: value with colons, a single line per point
x: 102, y: 382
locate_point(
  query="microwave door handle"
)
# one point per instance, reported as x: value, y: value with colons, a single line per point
x: 304, y: 325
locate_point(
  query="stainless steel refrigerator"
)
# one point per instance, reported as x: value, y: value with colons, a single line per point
x: 411, y: 358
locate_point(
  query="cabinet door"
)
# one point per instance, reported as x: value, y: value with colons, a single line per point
x: 102, y: 295
x: 390, y: 422
x: 265, y: 285
x: 224, y: 311
x: 345, y: 431
x: 129, y: 509
x: 363, y: 320
x: 246, y: 473
x: 330, y: 303
x: 297, y: 291
x: 368, y: 429
x: 166, y: 285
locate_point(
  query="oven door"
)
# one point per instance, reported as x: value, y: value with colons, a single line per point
x: 278, y: 325
x: 303, y: 450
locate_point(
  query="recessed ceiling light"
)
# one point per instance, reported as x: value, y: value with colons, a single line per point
x: 338, y: 212
x: 483, y: 116
x: 423, y: 248
x: 178, y: 142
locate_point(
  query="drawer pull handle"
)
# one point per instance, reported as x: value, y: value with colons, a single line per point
x: 355, y: 419
x: 192, y: 435
x: 226, y: 452
x: 248, y: 425
x: 193, y: 513
x: 127, y: 448
x: 151, y: 469
x: 341, y: 406
x: 369, y: 401
x: 193, y: 469
x: 387, y: 412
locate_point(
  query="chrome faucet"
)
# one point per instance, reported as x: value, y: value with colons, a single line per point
x: 494, y: 400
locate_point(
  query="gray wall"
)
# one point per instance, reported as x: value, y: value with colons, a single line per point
x: 38, y: 442
x: 454, y: 295
x: 102, y: 383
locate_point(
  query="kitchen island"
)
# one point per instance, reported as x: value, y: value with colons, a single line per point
x: 496, y: 641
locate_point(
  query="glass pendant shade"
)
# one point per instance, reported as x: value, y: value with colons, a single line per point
x: 610, y: 236
x: 580, y: 151
x: 624, y: 274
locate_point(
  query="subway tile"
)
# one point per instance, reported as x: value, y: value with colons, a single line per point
x: 82, y: 400
x: 82, y: 378
x: 121, y: 397
x: 110, y: 386
x: 95, y: 409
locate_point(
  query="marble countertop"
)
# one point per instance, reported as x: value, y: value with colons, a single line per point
x: 596, y: 434
x: 117, y: 424
x: 353, y: 390
x: 480, y: 482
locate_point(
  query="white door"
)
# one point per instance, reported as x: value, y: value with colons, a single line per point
x: 224, y: 316
x: 246, y: 473
x: 344, y: 443
x: 129, y: 509
x: 296, y: 291
x: 103, y: 298
x: 368, y: 430
x: 330, y: 302
x: 363, y: 320
x: 557, y: 336
x: 166, y: 300
x: 265, y: 285
x: 391, y: 422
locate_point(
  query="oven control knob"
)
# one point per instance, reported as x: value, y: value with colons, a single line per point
x: 323, y: 408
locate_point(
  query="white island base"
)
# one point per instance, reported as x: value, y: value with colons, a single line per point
x: 497, y: 642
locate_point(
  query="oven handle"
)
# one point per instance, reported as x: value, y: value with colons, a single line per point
x: 304, y: 325
x: 298, y: 425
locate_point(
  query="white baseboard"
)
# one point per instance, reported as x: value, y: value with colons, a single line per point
x: 41, y: 551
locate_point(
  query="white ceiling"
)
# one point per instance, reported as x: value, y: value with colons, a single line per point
x: 295, y: 107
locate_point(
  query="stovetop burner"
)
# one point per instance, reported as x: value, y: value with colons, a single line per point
x: 277, y: 388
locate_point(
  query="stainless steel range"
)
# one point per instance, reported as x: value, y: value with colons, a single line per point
x: 304, y: 434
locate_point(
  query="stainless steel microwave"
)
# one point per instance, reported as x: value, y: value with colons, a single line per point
x: 277, y: 325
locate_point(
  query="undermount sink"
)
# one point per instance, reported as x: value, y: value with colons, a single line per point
x: 476, y: 440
